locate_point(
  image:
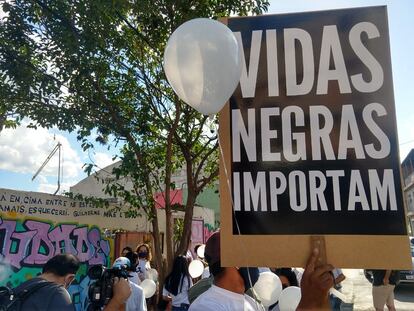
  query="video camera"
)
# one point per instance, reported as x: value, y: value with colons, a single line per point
x: 100, y: 291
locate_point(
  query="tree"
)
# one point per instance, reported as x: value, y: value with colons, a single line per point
x: 97, y: 65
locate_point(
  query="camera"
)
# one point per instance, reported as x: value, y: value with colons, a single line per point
x: 100, y: 291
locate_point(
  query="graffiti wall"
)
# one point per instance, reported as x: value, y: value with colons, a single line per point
x: 32, y: 243
x: 26, y: 245
x: 35, y: 226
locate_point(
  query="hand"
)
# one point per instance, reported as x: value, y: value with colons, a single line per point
x: 315, y: 285
x: 386, y: 279
x: 141, y: 276
x: 121, y: 292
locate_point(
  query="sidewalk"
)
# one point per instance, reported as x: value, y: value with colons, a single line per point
x: 358, y: 292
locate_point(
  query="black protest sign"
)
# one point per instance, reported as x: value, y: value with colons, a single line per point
x: 312, y: 143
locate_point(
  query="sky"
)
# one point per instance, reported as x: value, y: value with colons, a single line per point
x: 23, y: 150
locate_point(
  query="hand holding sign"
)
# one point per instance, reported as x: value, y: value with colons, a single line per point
x: 202, y: 62
x: 315, y: 284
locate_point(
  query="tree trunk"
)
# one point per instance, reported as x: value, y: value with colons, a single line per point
x: 169, y: 228
x: 158, y: 254
x: 2, y: 120
x: 188, y: 218
x: 169, y: 222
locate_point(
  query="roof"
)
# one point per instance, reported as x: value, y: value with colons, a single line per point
x: 409, y: 157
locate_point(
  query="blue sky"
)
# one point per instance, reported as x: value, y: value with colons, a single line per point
x: 22, y: 151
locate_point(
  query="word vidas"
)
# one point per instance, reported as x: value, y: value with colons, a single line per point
x: 330, y: 52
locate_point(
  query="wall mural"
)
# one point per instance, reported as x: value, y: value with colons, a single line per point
x: 36, y: 226
x: 26, y: 245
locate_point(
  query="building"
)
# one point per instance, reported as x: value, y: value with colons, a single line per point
x: 407, y: 168
x: 205, y: 211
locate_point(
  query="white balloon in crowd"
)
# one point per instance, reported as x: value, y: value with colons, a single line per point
x: 289, y: 298
x: 200, y: 251
x: 202, y: 62
x: 196, y: 268
x: 268, y: 287
x: 148, y: 287
x: 152, y: 274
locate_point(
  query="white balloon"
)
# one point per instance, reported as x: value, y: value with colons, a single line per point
x: 148, y: 287
x: 152, y: 274
x: 203, y: 63
x: 289, y: 298
x: 196, y: 268
x: 200, y: 251
x: 268, y: 287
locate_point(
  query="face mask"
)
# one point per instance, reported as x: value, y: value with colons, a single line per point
x: 67, y: 281
x: 142, y: 254
x: 254, y: 276
x: 141, y: 266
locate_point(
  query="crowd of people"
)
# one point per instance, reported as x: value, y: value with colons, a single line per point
x: 221, y: 288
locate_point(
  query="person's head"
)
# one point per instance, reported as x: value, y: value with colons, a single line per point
x: 196, y: 248
x: 212, y: 254
x: 126, y: 250
x: 244, y: 278
x: 180, y: 265
x: 287, y: 277
x: 61, y: 268
x: 144, y: 252
x: 133, y: 258
x: 122, y: 263
x: 179, y: 270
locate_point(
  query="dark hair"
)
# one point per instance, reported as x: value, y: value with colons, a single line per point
x: 196, y: 248
x: 129, y: 249
x: 215, y: 269
x: 133, y: 257
x: 149, y: 257
x: 289, y: 274
x: 177, y: 275
x: 62, y: 264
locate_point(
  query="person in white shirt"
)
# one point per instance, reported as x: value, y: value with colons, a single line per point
x: 136, y: 301
x: 228, y: 290
x: 132, y: 274
x: 177, y: 284
x: 144, y: 258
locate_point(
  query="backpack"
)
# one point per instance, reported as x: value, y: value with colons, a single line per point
x: 12, y: 299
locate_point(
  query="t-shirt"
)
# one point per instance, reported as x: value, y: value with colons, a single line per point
x: 142, y: 269
x: 198, y: 288
x: 220, y: 299
x: 206, y: 273
x: 136, y: 301
x: 133, y: 277
x: 182, y: 296
x: 379, y: 275
x: 48, y: 298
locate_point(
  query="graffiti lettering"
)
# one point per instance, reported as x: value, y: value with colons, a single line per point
x: 39, y: 241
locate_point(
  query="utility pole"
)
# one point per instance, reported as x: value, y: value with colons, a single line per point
x: 58, y: 147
